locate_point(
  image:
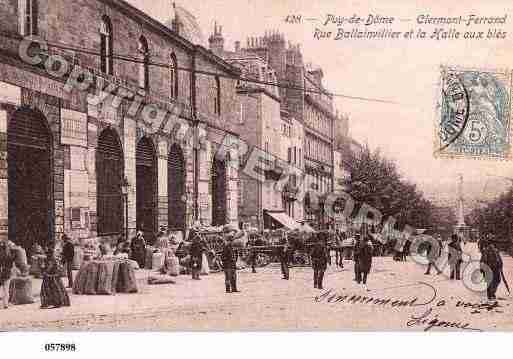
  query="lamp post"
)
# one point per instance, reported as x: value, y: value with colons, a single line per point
x: 124, y: 190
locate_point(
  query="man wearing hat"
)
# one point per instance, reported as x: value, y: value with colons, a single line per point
x: 491, y: 264
x: 196, y: 253
x: 229, y: 259
x: 455, y: 257
x: 319, y: 255
x: 68, y: 253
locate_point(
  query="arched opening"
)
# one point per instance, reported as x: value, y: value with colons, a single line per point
x: 144, y: 66
x: 106, y: 52
x: 176, y: 189
x: 173, y: 76
x: 29, y: 142
x: 218, y: 192
x: 146, y: 185
x: 109, y: 177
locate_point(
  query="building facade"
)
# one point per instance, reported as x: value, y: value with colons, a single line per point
x: 118, y: 127
x: 307, y: 119
x: 260, y: 127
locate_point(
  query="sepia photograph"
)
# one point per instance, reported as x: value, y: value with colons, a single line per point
x: 255, y: 166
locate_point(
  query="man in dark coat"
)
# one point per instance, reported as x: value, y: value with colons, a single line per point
x: 364, y: 260
x: 253, y: 252
x: 356, y: 255
x: 284, y: 255
x: 319, y: 257
x: 229, y: 259
x: 196, y: 252
x: 434, y: 251
x: 68, y: 253
x: 455, y: 257
x: 491, y: 259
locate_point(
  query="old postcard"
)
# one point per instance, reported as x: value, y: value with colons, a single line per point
x: 239, y: 165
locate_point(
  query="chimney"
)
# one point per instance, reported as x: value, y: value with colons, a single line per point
x: 237, y: 46
x: 176, y: 24
x: 216, y: 40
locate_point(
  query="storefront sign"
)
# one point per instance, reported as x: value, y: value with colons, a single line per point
x: 29, y: 80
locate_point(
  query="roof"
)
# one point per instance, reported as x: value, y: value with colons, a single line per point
x: 163, y: 30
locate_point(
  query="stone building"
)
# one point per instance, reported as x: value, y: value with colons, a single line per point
x: 116, y: 102
x: 260, y: 127
x: 307, y: 120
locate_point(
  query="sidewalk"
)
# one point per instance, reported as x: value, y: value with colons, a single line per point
x: 269, y: 303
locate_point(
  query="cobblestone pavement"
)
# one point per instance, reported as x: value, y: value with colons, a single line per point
x: 269, y: 303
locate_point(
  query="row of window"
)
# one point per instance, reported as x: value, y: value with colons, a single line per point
x: 318, y: 121
x: 294, y: 156
x: 318, y: 150
x: 287, y: 129
x: 28, y: 22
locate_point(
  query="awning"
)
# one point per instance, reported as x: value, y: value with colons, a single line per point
x: 285, y: 220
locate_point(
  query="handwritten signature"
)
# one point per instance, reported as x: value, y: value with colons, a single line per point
x: 431, y: 320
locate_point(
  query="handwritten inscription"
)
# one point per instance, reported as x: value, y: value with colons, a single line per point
x: 428, y: 318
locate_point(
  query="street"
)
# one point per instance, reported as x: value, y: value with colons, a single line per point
x: 269, y: 303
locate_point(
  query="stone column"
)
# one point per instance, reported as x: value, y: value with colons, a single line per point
x: 188, y: 156
x: 204, y: 185
x: 9, y: 95
x: 4, y: 189
x: 162, y: 182
x: 130, y: 138
x: 232, y: 176
x: 92, y: 130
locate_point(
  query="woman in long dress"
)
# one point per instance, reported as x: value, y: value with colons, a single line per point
x: 53, y: 293
x: 138, y: 248
x: 6, y: 263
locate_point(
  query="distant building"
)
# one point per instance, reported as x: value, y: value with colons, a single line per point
x: 307, y: 117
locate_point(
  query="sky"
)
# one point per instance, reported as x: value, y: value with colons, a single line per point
x: 405, y: 72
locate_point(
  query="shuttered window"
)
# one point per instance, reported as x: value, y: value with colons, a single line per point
x: 28, y: 17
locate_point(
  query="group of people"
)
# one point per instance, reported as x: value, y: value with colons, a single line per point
x: 491, y: 261
x: 53, y: 293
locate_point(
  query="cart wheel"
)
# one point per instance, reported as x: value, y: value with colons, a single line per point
x: 262, y: 259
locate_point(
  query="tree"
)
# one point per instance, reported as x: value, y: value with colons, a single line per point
x: 375, y: 180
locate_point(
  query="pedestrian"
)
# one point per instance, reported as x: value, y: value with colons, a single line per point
x: 53, y: 294
x: 434, y: 252
x: 406, y: 250
x: 284, y: 255
x: 340, y: 249
x: 356, y: 255
x: 252, y: 253
x: 205, y: 268
x: 364, y: 260
x: 196, y: 253
x: 138, y: 249
x: 454, y: 259
x: 68, y: 253
x: 491, y: 262
x: 229, y: 259
x: 6, y: 263
x: 319, y: 255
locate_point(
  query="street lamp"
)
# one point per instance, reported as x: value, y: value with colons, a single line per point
x: 124, y: 190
